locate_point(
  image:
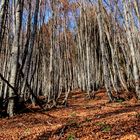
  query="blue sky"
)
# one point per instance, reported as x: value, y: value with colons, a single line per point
x: 72, y: 22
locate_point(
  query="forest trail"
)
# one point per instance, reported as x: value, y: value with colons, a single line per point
x: 82, y: 119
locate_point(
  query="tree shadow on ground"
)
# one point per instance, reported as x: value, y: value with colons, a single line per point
x: 119, y: 111
x: 117, y: 129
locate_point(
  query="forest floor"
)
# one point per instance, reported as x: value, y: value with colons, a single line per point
x: 83, y: 119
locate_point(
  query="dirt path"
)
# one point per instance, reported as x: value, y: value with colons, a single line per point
x: 83, y: 119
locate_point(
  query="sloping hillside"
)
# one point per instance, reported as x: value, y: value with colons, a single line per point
x: 82, y: 119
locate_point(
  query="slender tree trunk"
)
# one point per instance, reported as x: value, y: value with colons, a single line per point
x: 103, y: 47
x: 14, y: 59
x: 133, y: 54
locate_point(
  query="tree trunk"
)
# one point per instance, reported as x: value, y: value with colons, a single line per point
x: 14, y: 59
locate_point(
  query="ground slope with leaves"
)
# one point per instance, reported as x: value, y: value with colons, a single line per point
x: 82, y: 119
